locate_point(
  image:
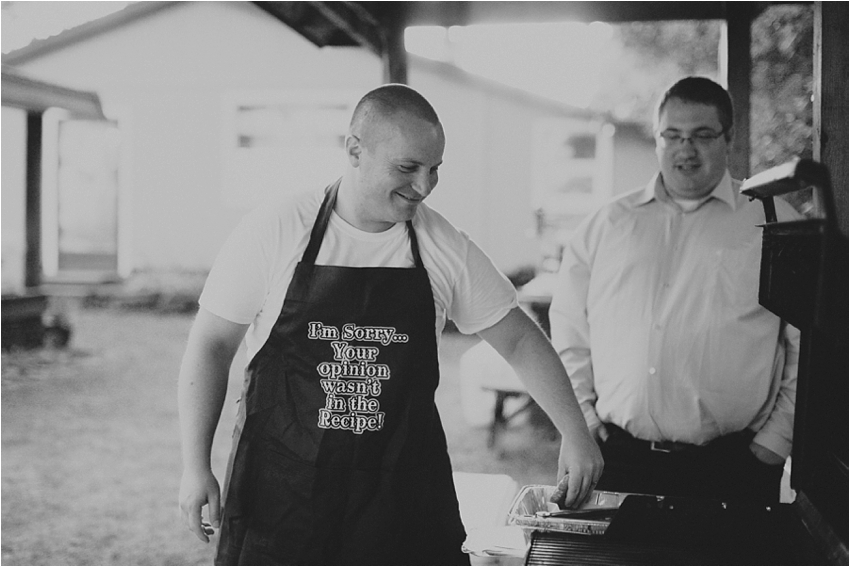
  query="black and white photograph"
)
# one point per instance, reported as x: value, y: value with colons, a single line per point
x: 424, y: 283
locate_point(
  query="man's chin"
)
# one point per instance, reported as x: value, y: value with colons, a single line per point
x: 685, y: 188
x: 406, y: 212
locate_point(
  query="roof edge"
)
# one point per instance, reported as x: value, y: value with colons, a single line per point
x: 70, y: 36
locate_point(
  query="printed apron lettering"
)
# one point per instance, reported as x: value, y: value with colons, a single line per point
x: 339, y: 455
x: 354, y: 376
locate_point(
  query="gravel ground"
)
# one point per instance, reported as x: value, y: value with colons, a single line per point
x: 91, y: 458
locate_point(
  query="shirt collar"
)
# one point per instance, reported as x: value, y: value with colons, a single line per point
x: 724, y: 191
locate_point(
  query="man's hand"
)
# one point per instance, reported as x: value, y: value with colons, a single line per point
x: 579, y: 468
x: 765, y: 455
x: 527, y: 349
x: 201, y: 389
x: 197, y: 490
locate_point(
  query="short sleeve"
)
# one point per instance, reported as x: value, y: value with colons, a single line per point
x: 237, y: 285
x: 482, y: 295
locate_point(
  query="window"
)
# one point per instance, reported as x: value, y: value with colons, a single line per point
x: 573, y: 173
x: 281, y: 143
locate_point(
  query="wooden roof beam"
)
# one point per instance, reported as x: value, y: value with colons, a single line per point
x: 355, y: 22
x: 466, y: 13
x: 342, y: 24
x: 36, y: 96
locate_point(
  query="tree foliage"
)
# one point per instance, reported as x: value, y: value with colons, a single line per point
x: 782, y: 80
x: 655, y: 54
x: 652, y: 56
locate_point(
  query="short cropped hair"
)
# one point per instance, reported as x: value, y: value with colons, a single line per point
x: 700, y: 90
x: 390, y: 99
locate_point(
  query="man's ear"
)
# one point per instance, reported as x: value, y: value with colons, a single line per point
x: 353, y: 149
x: 730, y: 138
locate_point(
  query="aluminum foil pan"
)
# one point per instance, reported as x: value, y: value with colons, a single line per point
x: 531, y: 510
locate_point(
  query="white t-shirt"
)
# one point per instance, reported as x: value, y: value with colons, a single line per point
x: 250, y: 277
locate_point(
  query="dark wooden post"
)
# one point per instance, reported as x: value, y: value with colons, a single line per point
x: 830, y: 99
x: 739, y: 19
x: 394, y: 56
x: 32, y: 270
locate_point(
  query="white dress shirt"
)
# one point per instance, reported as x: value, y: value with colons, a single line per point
x: 656, y: 318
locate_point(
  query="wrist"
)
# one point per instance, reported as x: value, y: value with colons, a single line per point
x: 196, y: 466
x: 765, y: 455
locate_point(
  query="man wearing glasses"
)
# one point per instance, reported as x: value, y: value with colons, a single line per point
x: 686, y: 382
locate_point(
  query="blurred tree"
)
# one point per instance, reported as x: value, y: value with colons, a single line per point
x: 651, y: 57
x: 782, y: 80
x: 655, y: 54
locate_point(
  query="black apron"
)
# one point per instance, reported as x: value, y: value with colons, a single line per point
x: 339, y: 454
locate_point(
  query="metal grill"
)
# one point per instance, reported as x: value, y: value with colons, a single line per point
x: 549, y: 548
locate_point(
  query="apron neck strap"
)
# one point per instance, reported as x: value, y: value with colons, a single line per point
x: 321, y: 225
x: 414, y: 245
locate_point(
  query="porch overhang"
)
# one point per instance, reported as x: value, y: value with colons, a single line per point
x: 31, y: 95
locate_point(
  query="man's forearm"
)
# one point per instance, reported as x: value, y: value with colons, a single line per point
x: 548, y: 383
x: 521, y: 342
x: 202, y: 385
x: 540, y: 369
x: 201, y: 391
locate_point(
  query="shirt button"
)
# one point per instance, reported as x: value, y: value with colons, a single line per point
x: 652, y: 370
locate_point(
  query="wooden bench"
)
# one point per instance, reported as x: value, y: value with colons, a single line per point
x: 488, y: 379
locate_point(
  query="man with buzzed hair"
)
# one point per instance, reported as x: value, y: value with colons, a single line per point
x: 341, y: 295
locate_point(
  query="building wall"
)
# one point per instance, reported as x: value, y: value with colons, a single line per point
x: 164, y: 78
x: 634, y: 159
x: 13, y: 209
x: 489, y: 185
x: 171, y: 79
x: 484, y: 182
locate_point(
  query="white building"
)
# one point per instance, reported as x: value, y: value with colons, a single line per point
x: 216, y: 107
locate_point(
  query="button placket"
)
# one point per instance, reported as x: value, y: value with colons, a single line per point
x: 662, y: 296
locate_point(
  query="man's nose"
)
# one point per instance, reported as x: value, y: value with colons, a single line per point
x: 687, y: 147
x: 423, y: 183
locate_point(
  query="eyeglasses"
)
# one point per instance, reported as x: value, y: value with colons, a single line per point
x: 701, y: 138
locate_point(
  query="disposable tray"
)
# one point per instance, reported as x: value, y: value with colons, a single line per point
x: 535, y: 498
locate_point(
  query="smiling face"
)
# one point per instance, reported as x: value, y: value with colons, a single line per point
x: 691, y: 168
x: 395, y: 160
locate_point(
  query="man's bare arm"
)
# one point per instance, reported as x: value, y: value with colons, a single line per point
x: 201, y: 390
x: 524, y: 345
